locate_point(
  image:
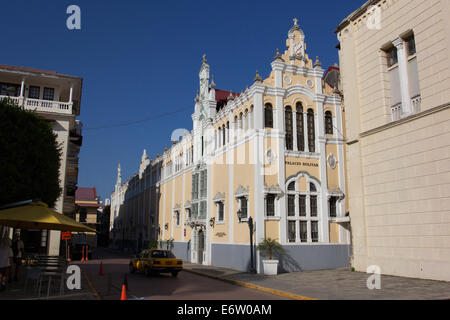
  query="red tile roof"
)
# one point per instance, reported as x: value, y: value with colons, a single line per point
x: 222, y: 97
x: 86, y: 194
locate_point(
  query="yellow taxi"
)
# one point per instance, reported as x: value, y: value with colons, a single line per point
x: 155, y: 261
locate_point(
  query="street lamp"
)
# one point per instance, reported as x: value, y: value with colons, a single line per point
x: 241, y: 216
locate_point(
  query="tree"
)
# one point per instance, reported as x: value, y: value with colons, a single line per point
x: 270, y: 247
x: 29, y: 156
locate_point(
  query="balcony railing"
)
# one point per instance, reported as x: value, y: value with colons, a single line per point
x: 416, y: 104
x: 416, y: 107
x: 396, y: 111
x: 42, y: 105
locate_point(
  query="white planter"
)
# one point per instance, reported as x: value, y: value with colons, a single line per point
x: 270, y: 267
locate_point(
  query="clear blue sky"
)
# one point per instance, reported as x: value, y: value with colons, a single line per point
x: 140, y: 59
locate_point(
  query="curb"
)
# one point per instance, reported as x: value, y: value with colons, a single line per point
x: 254, y: 286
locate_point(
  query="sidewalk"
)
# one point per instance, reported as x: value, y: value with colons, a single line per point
x: 341, y: 284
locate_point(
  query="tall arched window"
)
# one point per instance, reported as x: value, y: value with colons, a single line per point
x: 289, y: 128
x: 328, y: 123
x: 224, y: 141
x: 300, y: 128
x: 268, y: 116
x: 311, y: 131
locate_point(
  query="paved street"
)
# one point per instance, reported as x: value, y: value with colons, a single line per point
x: 186, y: 286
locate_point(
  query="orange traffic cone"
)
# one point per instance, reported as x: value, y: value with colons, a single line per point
x: 87, y: 255
x: 100, y: 273
x: 124, y: 293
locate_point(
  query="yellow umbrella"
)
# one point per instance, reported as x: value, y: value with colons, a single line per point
x: 37, y: 216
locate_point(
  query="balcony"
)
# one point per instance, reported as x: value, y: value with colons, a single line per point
x: 416, y: 107
x: 42, y: 105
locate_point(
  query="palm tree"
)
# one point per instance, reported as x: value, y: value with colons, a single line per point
x: 270, y: 246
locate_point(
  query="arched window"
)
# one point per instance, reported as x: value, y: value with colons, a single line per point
x: 328, y: 123
x: 311, y: 131
x: 291, y: 186
x: 268, y: 116
x: 289, y: 128
x: 224, y: 142
x: 300, y: 128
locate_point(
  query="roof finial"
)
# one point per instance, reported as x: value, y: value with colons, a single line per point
x: 317, y: 63
x: 204, y: 58
x: 212, y: 85
x: 295, y: 21
x: 278, y: 55
x: 257, y: 77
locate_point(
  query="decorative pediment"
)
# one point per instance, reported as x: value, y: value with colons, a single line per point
x: 273, y: 189
x: 187, y: 205
x: 176, y: 208
x: 241, y: 192
x: 336, y: 193
x: 220, y: 197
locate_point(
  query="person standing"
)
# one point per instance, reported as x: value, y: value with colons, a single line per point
x: 6, y: 260
x: 18, y: 251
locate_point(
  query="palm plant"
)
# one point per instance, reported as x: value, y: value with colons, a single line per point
x: 269, y: 247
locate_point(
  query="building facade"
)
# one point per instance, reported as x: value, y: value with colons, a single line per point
x: 395, y: 65
x: 87, y: 206
x: 57, y: 98
x: 274, y: 152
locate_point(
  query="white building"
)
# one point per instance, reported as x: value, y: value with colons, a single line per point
x: 56, y: 97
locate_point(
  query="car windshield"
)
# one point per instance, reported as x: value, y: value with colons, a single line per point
x: 162, y: 254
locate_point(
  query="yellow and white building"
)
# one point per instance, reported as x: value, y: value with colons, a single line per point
x: 395, y: 66
x: 274, y: 151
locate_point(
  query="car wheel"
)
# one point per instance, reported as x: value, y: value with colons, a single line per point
x: 175, y: 274
x: 132, y: 269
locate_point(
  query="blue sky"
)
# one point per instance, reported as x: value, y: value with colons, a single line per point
x: 140, y: 59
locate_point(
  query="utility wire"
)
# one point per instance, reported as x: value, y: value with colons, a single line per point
x: 126, y: 124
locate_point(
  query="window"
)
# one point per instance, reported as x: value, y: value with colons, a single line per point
x: 300, y: 128
x: 177, y: 217
x: 34, y: 92
x: 333, y: 211
x: 315, y: 231
x: 392, y: 57
x: 244, y: 206
x: 311, y: 131
x: 411, y: 45
x: 291, y: 186
x: 312, y: 187
x: 83, y: 215
x: 313, y: 205
x: 224, y: 142
x: 302, y: 206
x: 303, y: 231
x: 268, y: 116
x: 9, y: 90
x: 289, y: 128
x: 220, y: 213
x: 291, y: 205
x: 49, y: 94
x: 328, y: 123
x: 291, y: 231
x: 270, y: 205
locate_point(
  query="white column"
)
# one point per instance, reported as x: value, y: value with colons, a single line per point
x: 403, y: 74
x: 71, y: 94
x: 22, y: 88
